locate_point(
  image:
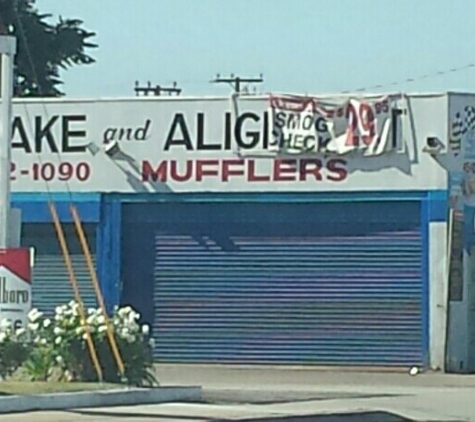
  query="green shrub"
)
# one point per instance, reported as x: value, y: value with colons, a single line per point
x: 60, y: 343
x: 14, y: 349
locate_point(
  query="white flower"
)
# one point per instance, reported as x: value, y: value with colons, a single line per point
x: 5, y: 324
x: 3, y: 337
x: 68, y: 375
x: 58, y: 340
x: 57, y: 331
x: 20, y: 332
x: 101, y: 319
x: 33, y: 326
x: 75, y: 309
x: 46, y: 323
x: 79, y: 330
x: 84, y: 336
x: 102, y: 328
x: 34, y: 315
x: 124, y: 312
x: 59, y: 360
x: 43, y: 341
x: 130, y: 338
x: 131, y: 316
x: 145, y: 329
x: 151, y: 342
x: 91, y: 319
x: 60, y: 310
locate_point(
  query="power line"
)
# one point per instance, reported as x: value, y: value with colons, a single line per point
x: 415, y: 79
x: 237, y: 81
x: 156, y: 90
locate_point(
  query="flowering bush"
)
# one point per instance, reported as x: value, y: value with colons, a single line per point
x: 60, y: 343
x: 13, y: 349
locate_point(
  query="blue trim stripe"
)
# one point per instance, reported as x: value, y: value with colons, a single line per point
x: 289, y: 197
x: 108, y: 251
x: 56, y: 196
x: 438, y: 205
x: 35, y: 209
x: 38, y: 212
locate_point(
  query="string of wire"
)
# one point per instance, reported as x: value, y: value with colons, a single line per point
x: 75, y: 216
x: 29, y: 56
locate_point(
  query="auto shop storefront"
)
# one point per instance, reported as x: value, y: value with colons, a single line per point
x: 240, y: 241
x: 287, y: 259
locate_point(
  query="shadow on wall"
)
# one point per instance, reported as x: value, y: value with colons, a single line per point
x: 134, y: 177
x: 401, y: 162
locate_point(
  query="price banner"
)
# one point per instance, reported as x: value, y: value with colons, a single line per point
x: 308, y: 125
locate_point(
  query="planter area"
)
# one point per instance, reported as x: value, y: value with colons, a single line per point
x: 54, y: 350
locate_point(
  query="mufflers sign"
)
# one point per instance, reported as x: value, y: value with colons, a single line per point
x: 15, y: 286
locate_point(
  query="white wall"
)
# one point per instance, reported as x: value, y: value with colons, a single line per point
x: 70, y: 125
x: 438, y: 293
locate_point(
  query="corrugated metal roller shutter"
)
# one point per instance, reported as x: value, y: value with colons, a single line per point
x: 51, y: 286
x: 298, y: 284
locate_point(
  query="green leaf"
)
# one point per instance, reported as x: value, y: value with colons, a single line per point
x: 44, y: 47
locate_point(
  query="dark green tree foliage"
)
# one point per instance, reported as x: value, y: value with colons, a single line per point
x: 43, y: 48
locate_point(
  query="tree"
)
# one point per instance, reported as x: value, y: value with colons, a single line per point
x: 43, y: 48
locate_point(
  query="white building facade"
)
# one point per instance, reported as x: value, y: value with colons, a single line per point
x: 264, y: 229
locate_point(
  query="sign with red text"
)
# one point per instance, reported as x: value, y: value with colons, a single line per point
x: 15, y: 286
x: 222, y: 144
x: 305, y: 125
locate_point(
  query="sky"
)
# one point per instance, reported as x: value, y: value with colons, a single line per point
x: 300, y: 46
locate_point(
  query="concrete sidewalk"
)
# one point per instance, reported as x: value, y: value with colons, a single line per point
x: 223, y: 376
x: 426, y: 397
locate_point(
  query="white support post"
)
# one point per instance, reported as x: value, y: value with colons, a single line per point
x: 7, y: 52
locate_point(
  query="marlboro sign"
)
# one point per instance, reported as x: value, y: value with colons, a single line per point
x: 15, y: 286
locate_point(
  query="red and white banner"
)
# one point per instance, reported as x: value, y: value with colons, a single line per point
x: 15, y: 286
x: 302, y: 125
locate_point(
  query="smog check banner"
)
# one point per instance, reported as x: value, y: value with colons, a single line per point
x: 15, y: 286
x: 309, y: 125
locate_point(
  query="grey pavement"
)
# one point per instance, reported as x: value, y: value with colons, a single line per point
x: 273, y: 394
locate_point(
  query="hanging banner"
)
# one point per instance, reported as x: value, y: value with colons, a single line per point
x: 15, y: 286
x: 302, y: 125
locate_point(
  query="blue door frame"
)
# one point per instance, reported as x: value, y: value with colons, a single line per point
x: 433, y: 209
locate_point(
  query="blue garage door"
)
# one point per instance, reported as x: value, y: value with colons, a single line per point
x: 51, y: 286
x: 325, y: 284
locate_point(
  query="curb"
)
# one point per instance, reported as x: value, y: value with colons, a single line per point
x: 104, y: 398
x: 355, y: 416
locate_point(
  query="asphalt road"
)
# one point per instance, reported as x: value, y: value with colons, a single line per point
x: 294, y: 395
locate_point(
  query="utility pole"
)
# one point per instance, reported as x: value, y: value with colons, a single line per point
x: 156, y: 90
x: 7, y: 54
x: 236, y: 81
